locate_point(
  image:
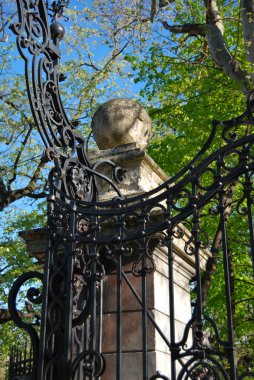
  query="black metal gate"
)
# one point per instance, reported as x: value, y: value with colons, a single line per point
x: 90, y: 238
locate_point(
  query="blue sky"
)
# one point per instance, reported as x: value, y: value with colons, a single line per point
x: 27, y: 205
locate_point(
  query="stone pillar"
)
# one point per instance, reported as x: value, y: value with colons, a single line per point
x: 142, y: 175
x: 128, y: 125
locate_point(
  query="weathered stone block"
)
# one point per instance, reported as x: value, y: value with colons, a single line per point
x: 131, y: 332
x: 131, y: 366
x: 129, y: 301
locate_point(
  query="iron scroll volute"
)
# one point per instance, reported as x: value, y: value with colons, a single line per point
x: 34, y: 296
x: 93, y: 364
x: 158, y: 375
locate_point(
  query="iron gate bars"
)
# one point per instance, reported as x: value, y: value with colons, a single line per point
x: 20, y: 362
x: 84, y: 232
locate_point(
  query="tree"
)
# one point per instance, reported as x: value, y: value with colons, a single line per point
x: 216, y: 44
x: 23, y: 167
x: 193, y: 63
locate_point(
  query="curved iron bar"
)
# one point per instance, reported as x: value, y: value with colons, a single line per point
x: 195, y: 362
x: 37, y: 39
x: 34, y: 297
x: 38, y: 45
x: 94, y: 364
x: 172, y: 191
x: 57, y: 132
x: 201, y: 200
x: 77, y: 215
x: 188, y: 327
x: 158, y: 375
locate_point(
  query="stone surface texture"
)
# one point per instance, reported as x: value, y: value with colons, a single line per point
x: 121, y: 121
x: 36, y: 242
x: 144, y: 175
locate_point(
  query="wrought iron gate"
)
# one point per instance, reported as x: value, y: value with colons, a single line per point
x: 84, y: 232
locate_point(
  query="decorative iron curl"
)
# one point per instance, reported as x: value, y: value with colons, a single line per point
x: 34, y: 296
x: 75, y: 179
x: 38, y: 42
x: 158, y: 375
x: 199, y: 339
x: 196, y: 367
x: 93, y: 366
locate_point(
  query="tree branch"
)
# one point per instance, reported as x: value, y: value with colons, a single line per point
x: 11, y: 196
x: 211, y: 264
x: 247, y: 13
x: 219, y: 50
x: 244, y: 300
x: 244, y: 281
x: 41, y: 195
x: 5, y: 23
x: 190, y: 29
x: 6, y: 317
x: 115, y: 53
x: 212, y: 15
x: 213, y: 32
x: 23, y: 145
x: 222, y: 57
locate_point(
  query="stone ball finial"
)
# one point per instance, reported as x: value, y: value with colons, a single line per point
x: 119, y: 122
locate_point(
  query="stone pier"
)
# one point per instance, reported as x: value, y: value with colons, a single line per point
x: 142, y: 175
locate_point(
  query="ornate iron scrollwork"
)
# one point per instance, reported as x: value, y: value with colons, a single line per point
x: 29, y: 320
x: 89, y: 236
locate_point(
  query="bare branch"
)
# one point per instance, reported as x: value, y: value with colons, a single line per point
x: 15, y: 107
x: 4, y: 24
x: 89, y: 65
x: 6, y: 317
x: 3, y: 189
x: 16, y: 163
x: 3, y: 269
x: 115, y: 53
x: 11, y: 196
x: 41, y: 195
x: 153, y: 10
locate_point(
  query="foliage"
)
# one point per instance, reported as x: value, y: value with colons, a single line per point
x: 191, y: 61
x: 14, y: 261
x: 185, y: 87
x: 190, y: 76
